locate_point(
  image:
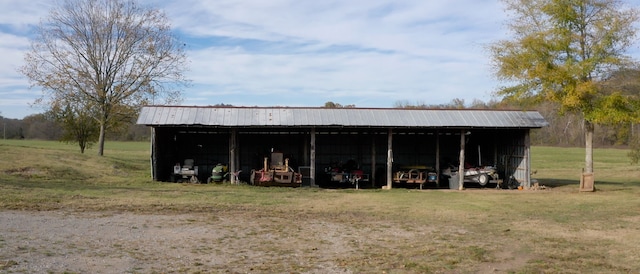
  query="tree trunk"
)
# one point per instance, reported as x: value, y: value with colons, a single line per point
x: 588, y: 144
x: 101, y: 139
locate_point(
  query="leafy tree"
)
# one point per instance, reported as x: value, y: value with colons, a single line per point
x: 331, y: 104
x: 561, y: 51
x: 113, y: 55
x: 455, y: 103
x: 627, y: 82
x: 79, y: 125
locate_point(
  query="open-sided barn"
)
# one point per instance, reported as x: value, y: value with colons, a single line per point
x: 322, y: 143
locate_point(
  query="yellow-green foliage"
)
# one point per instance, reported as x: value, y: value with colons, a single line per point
x: 560, y: 52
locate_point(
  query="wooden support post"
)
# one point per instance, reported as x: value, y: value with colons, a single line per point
x: 232, y: 155
x: 437, y: 158
x: 312, y: 158
x: 389, y: 158
x: 373, y: 161
x: 461, y: 165
x: 153, y: 154
x: 305, y: 152
x: 527, y: 159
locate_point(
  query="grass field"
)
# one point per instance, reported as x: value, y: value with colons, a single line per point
x: 557, y: 229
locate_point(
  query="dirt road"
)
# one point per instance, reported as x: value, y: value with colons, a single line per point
x: 222, y: 242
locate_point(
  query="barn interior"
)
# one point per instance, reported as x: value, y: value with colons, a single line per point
x: 342, y: 149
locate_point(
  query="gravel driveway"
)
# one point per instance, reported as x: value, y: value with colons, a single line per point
x: 60, y: 241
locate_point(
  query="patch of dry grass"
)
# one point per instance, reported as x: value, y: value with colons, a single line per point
x: 393, y: 231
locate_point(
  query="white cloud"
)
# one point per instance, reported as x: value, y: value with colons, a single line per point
x: 373, y: 52
x: 17, y: 18
x: 305, y: 53
x: 14, y: 95
x: 414, y: 27
x: 21, y: 15
x: 12, y: 48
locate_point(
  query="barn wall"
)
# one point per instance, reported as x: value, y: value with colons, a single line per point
x: 514, y: 158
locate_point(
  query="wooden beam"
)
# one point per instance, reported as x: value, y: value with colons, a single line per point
x: 312, y: 158
x: 527, y: 158
x: 232, y: 155
x: 389, y: 158
x: 437, y: 167
x: 154, y: 152
x: 373, y: 161
x: 461, y: 165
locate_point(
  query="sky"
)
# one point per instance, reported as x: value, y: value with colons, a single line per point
x: 373, y: 53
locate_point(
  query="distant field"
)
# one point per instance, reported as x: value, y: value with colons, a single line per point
x: 562, y: 166
x: 553, y: 230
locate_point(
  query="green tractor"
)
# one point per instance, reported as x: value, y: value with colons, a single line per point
x: 219, y: 174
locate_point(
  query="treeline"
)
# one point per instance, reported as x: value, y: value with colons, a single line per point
x: 563, y: 130
x: 568, y: 130
x: 44, y: 127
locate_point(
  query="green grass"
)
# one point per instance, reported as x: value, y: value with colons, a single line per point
x: 563, y: 166
x: 557, y: 229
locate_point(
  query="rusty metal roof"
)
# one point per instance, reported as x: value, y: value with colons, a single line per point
x: 330, y: 117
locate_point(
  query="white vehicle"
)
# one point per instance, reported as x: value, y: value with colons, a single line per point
x: 185, y: 173
x: 480, y: 175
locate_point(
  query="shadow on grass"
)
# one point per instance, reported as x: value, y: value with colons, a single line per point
x: 557, y: 182
x: 564, y: 183
x: 67, y: 184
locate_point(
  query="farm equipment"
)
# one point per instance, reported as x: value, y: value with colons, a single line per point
x: 415, y: 175
x: 480, y: 175
x: 276, y: 172
x: 353, y: 177
x: 185, y: 173
x: 347, y: 173
x: 219, y: 174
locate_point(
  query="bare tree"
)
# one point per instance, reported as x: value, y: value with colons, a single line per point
x: 112, y: 54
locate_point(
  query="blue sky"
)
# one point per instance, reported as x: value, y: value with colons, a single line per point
x: 371, y: 53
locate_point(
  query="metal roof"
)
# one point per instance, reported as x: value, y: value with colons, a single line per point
x: 330, y: 117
